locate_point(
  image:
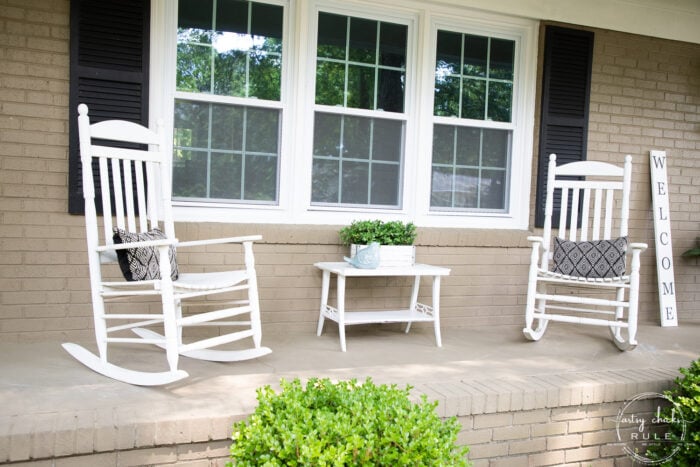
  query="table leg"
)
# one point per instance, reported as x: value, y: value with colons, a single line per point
x: 325, y: 284
x: 341, y: 310
x: 414, y: 300
x: 436, y: 310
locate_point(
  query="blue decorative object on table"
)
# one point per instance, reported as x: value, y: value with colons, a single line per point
x: 366, y: 258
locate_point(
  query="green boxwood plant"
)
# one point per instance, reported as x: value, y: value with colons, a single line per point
x: 344, y: 424
x: 384, y: 233
x: 686, y: 394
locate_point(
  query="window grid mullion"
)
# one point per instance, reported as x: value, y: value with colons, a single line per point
x: 212, y: 50
x: 454, y: 168
x: 488, y: 79
x: 460, y: 73
x: 340, y: 159
x: 347, y: 65
x: 376, y: 67
x: 481, y: 161
x: 244, y: 151
x: 369, y: 162
x: 249, y: 21
x: 209, y: 149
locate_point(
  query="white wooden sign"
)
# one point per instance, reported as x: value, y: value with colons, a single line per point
x: 662, y: 236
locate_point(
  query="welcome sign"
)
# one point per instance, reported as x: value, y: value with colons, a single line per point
x: 662, y: 236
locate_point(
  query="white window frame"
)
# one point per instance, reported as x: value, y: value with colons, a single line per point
x: 517, y: 211
x: 163, y: 94
x: 305, y: 211
x: 298, y: 107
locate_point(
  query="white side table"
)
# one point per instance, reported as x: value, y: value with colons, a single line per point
x: 416, y: 311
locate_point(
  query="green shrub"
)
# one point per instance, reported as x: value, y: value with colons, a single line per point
x: 686, y: 394
x: 385, y: 233
x: 344, y: 424
x: 693, y: 252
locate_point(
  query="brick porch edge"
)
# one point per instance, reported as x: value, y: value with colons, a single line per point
x: 530, y: 420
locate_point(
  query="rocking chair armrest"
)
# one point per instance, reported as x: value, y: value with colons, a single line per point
x: 638, y: 246
x: 218, y: 241
x: 142, y: 244
x: 535, y: 239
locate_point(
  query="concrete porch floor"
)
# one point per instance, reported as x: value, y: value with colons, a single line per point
x: 53, y: 406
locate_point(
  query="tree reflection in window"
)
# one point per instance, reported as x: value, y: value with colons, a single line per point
x: 473, y: 82
x: 361, y: 63
x: 474, y: 77
x: 358, y: 159
x: 227, y: 152
x: 230, y: 48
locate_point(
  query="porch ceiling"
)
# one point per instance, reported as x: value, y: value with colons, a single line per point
x: 667, y: 19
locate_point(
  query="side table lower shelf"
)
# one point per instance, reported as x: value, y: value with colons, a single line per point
x: 421, y: 313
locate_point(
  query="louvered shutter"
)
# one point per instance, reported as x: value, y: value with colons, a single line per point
x: 566, y: 89
x: 108, y: 72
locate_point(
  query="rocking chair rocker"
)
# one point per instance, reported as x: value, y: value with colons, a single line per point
x: 595, y: 269
x: 138, y: 232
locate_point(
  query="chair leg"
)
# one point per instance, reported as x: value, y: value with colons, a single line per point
x: 530, y: 306
x: 532, y: 286
x: 536, y: 333
x: 99, y: 364
x: 631, y: 341
x: 619, y: 339
x: 170, y: 308
x: 178, y: 318
x: 616, y: 332
x: 98, y: 305
x: 255, y: 311
x: 253, y: 298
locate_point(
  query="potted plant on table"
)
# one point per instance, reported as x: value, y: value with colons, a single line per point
x: 395, y: 238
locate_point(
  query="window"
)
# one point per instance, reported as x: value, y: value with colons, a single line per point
x: 229, y: 60
x: 321, y: 112
x: 474, y: 85
x: 358, y: 157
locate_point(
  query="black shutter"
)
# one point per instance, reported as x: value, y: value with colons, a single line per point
x: 108, y: 72
x: 566, y: 88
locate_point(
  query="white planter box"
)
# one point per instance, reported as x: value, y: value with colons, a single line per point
x: 392, y: 255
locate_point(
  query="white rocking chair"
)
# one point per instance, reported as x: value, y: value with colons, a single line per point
x: 605, y: 291
x: 138, y: 174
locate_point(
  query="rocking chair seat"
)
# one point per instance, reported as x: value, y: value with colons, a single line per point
x: 563, y: 278
x: 209, y: 280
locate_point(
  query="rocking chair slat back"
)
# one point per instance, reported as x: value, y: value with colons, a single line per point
x: 132, y: 197
x: 577, y: 222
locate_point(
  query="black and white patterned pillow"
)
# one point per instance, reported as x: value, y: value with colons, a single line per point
x: 138, y: 264
x: 590, y: 259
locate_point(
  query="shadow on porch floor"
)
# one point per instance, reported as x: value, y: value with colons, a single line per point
x: 52, y: 406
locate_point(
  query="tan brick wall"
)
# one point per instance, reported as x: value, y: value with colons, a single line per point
x: 645, y: 95
x: 205, y: 454
x: 43, y: 290
x: 582, y: 435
